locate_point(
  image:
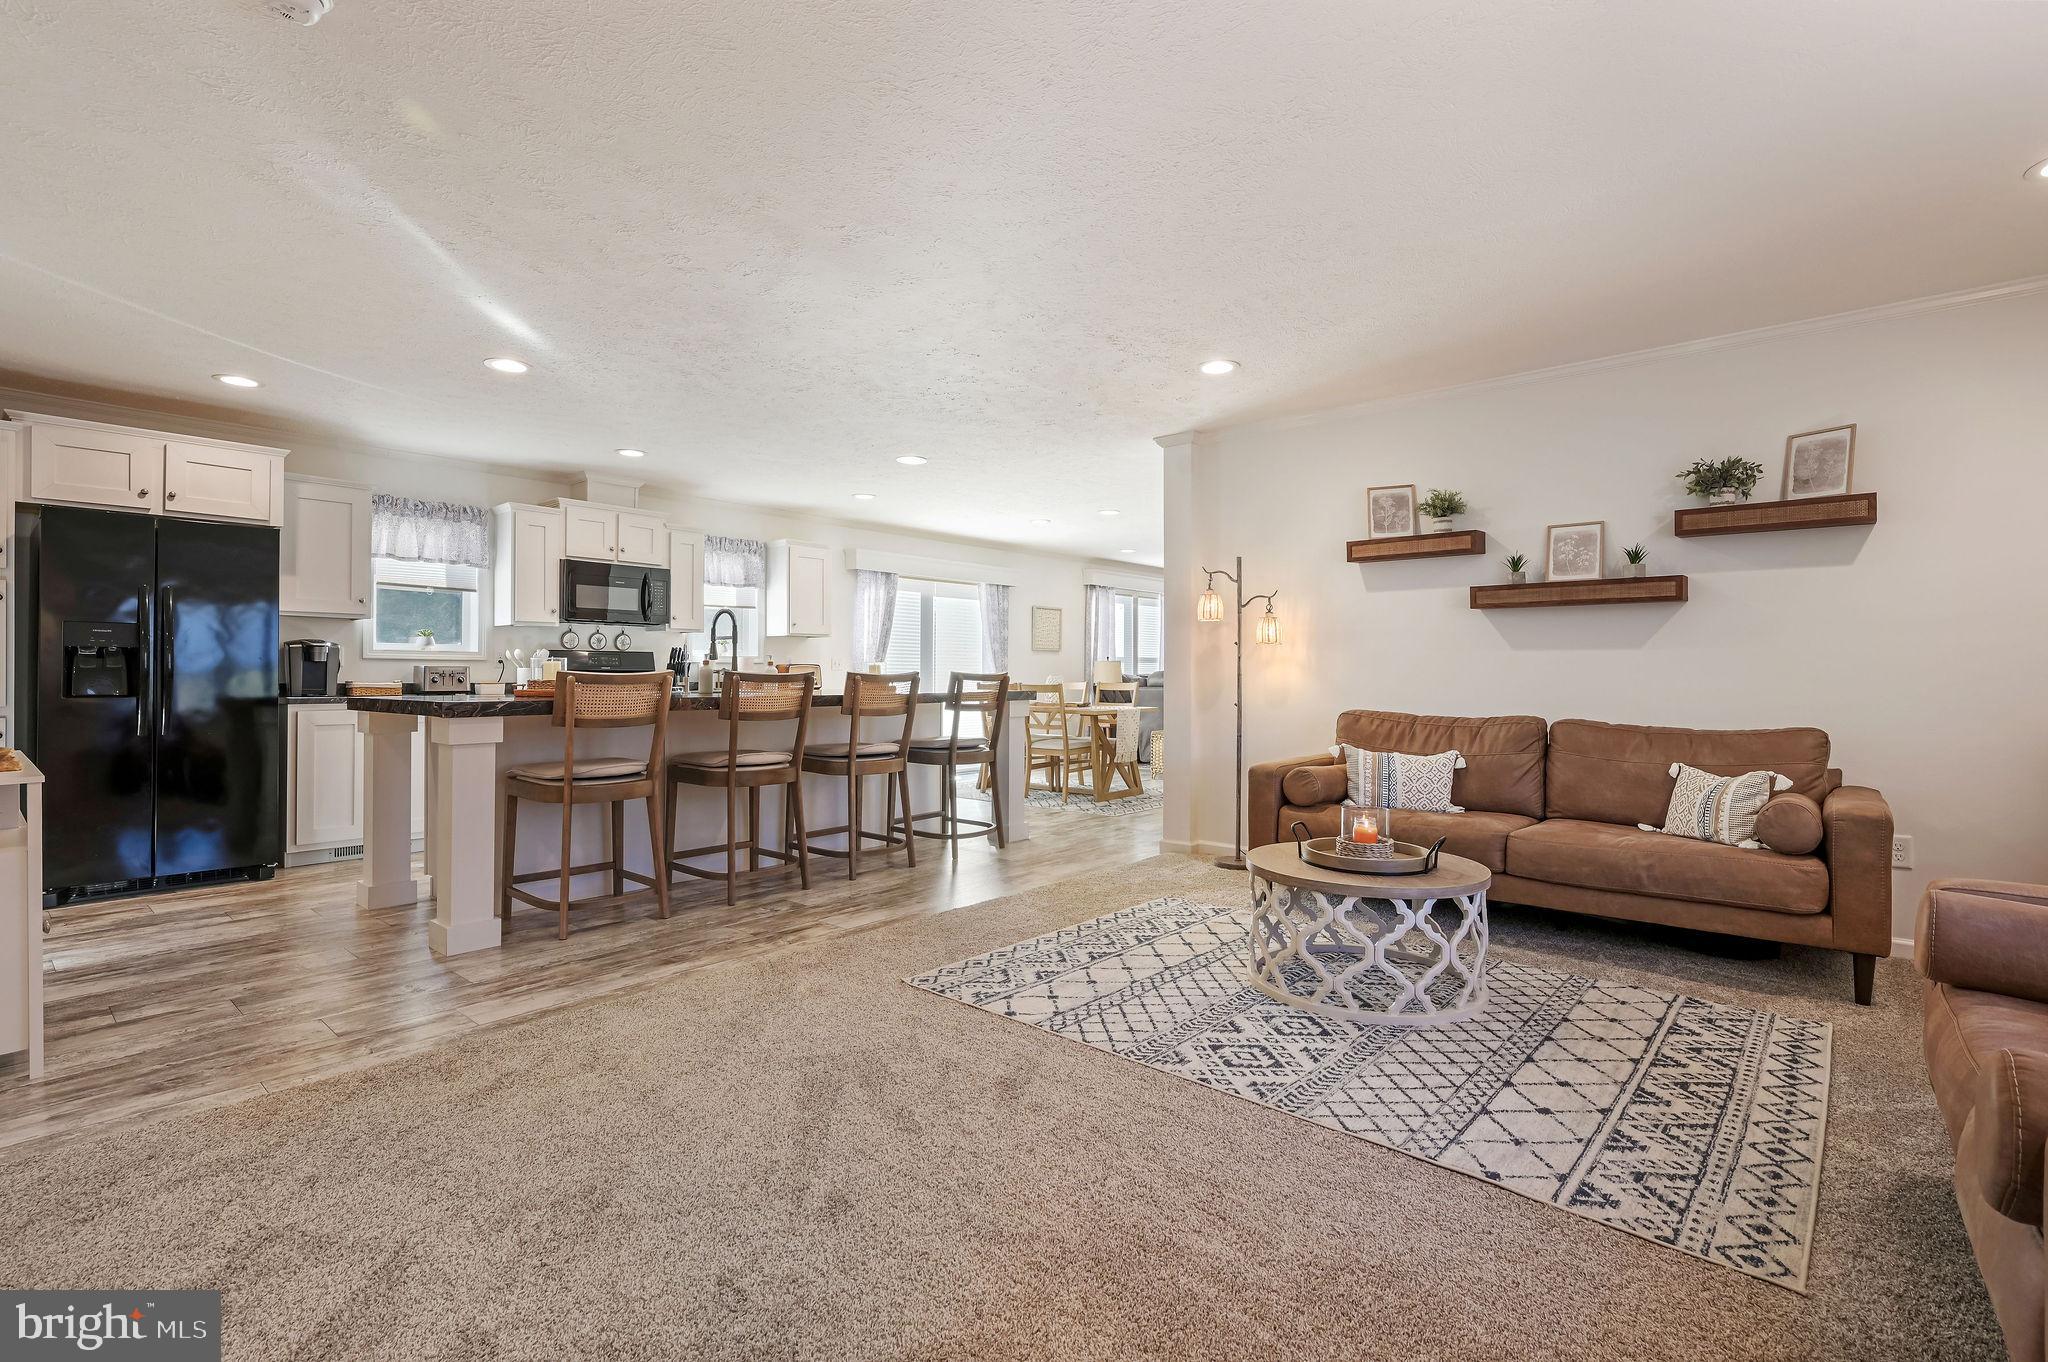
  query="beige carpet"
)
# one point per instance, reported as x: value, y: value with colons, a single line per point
x: 801, y: 1156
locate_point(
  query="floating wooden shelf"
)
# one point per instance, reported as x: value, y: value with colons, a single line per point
x: 1447, y: 544
x: 1754, y: 517
x: 1604, y: 591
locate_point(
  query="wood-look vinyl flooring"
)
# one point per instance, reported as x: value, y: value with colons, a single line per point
x: 154, y: 1005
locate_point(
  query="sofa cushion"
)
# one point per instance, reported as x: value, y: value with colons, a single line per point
x: 1503, y: 756
x: 1621, y: 773
x: 1628, y: 861
x: 1306, y: 785
x: 1481, y: 837
x: 1790, y: 823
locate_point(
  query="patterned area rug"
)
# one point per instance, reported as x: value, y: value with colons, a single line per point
x: 1688, y: 1123
x: 1048, y: 801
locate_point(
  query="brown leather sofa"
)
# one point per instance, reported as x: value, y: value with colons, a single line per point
x: 1551, y: 810
x: 1982, y: 947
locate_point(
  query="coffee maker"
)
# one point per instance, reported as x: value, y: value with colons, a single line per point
x: 312, y: 666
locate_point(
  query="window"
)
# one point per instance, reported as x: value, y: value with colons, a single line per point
x: 935, y: 631
x: 745, y: 604
x: 414, y: 598
x: 1139, y: 628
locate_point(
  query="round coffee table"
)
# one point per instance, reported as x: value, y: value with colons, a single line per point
x: 1385, y: 950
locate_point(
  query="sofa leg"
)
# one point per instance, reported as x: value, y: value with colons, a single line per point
x: 1866, y: 974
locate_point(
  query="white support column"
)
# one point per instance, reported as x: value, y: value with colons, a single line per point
x: 462, y: 829
x: 1179, y: 827
x: 385, y: 879
x: 1012, y: 766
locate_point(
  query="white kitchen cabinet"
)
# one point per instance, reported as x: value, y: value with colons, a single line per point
x: 221, y: 482
x: 324, y: 560
x: 642, y: 538
x: 95, y: 466
x: 685, y: 581
x: 324, y: 770
x: 327, y: 778
x: 526, y: 564
x: 590, y: 532
x: 88, y: 463
x: 799, y: 589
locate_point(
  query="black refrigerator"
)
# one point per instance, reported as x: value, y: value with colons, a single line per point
x: 148, y: 694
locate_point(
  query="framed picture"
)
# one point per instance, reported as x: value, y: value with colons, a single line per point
x: 1389, y: 511
x: 1818, y: 463
x: 1575, y: 553
x: 1045, y: 628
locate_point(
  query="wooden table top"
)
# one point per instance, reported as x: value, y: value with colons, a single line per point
x: 1453, y: 875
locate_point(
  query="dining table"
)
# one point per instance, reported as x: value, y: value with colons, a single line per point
x: 1101, y: 721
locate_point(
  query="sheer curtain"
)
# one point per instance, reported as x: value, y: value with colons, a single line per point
x: 874, y: 607
x: 1101, y: 623
x: 995, y: 626
x: 735, y: 562
x: 416, y: 531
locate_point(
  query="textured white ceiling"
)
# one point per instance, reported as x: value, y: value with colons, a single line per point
x: 778, y: 243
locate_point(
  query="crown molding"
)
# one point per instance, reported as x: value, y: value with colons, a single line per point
x: 1733, y: 340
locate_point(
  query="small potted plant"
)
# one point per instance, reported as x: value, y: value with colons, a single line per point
x: 1439, y: 506
x: 425, y: 636
x: 1723, y: 483
x: 1517, y: 565
x: 1638, y: 560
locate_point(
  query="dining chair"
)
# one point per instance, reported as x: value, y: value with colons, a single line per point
x: 870, y: 696
x: 749, y: 698
x: 985, y: 696
x: 586, y: 701
x: 1045, y: 748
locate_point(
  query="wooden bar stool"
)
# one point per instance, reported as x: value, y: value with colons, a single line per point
x: 586, y: 700
x: 983, y: 694
x: 748, y: 698
x: 870, y: 696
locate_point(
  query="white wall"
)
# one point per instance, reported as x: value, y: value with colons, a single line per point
x: 1920, y: 644
x: 1037, y: 579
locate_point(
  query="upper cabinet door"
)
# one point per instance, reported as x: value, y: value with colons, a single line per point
x: 221, y: 484
x: 95, y: 468
x: 324, y: 564
x: 590, y: 532
x: 685, y: 581
x: 810, y: 590
x: 535, y: 567
x: 642, y: 538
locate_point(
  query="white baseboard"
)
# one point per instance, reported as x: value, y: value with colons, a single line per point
x: 1208, y: 850
x: 1902, y: 948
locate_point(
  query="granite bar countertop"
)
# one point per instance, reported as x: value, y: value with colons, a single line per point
x: 314, y: 699
x: 507, y: 707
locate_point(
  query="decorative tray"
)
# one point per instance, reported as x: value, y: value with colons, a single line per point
x: 1372, y: 858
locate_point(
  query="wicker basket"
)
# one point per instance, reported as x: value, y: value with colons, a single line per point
x: 373, y: 688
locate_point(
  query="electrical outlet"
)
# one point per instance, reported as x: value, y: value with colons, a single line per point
x: 1902, y: 853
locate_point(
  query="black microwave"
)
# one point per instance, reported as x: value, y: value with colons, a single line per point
x: 614, y: 593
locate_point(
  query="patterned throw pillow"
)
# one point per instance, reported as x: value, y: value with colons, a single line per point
x: 1711, y: 808
x: 1397, y: 780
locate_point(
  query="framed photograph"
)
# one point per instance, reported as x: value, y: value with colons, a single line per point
x: 1575, y: 553
x: 1818, y: 463
x: 1045, y: 628
x: 1389, y: 511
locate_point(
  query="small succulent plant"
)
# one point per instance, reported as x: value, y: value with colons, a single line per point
x: 1636, y: 553
x: 1516, y: 562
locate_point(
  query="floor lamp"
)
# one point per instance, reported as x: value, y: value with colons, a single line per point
x: 1210, y: 611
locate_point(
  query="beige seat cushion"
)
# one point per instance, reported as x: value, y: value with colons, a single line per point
x: 1626, y: 861
x: 838, y: 749
x: 940, y: 744
x: 1481, y: 837
x: 589, y: 768
x: 717, y: 760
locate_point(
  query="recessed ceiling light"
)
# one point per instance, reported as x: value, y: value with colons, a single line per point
x: 506, y: 365
x: 1214, y: 367
x: 1126, y: 550
x: 238, y: 380
x: 1041, y: 522
x: 1108, y: 510
x: 632, y: 453
x: 863, y: 496
x: 2038, y: 171
x: 912, y: 460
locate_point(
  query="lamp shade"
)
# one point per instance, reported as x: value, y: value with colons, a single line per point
x: 1209, y: 610
x: 1109, y: 671
x: 1268, y: 630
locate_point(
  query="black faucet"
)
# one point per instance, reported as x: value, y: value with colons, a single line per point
x: 734, y: 635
